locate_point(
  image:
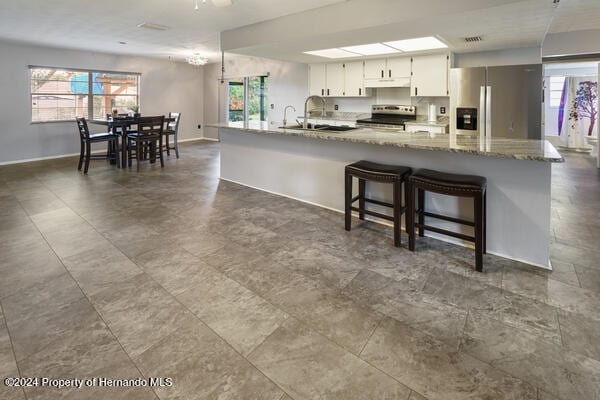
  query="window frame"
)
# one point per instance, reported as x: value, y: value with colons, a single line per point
x: 90, y: 94
x: 550, y: 91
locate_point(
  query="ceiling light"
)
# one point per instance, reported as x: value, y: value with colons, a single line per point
x: 424, y: 43
x: 372, y: 49
x: 196, y: 59
x: 332, y: 53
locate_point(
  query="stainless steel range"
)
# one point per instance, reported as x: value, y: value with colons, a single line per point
x: 389, y: 116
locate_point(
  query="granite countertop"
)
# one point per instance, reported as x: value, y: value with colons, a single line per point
x: 335, y: 116
x: 519, y: 149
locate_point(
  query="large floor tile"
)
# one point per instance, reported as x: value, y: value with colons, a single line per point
x: 203, y: 366
x: 235, y: 313
x: 437, y: 370
x: 563, y: 373
x: 308, y: 366
x: 326, y: 310
x: 580, y: 333
x: 139, y: 312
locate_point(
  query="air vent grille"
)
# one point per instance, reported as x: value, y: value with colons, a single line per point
x: 150, y: 25
x: 472, y: 39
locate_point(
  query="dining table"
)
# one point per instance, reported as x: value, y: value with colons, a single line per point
x: 121, y: 126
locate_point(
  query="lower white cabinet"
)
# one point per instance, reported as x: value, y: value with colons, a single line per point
x: 426, y: 128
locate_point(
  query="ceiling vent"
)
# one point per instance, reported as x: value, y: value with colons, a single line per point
x: 150, y: 25
x: 472, y: 39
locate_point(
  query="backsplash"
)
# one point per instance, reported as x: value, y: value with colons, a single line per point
x: 388, y: 96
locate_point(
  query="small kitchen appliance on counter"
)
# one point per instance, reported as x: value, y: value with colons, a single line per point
x: 389, y: 116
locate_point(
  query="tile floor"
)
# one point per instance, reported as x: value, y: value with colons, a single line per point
x: 238, y: 294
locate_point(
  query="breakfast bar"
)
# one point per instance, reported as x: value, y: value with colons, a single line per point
x: 308, y: 165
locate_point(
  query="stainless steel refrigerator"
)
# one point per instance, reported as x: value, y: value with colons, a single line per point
x: 498, y: 102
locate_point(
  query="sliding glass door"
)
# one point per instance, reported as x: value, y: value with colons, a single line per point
x: 247, y: 99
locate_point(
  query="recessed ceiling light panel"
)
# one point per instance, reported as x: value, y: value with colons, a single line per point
x: 332, y: 53
x: 372, y: 49
x: 417, y: 44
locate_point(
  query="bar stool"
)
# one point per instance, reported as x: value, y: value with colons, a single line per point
x: 370, y: 171
x: 452, y: 185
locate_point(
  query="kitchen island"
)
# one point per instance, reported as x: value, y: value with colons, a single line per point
x: 309, y: 166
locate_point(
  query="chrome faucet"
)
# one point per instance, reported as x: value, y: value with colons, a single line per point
x: 305, y: 123
x: 285, y: 113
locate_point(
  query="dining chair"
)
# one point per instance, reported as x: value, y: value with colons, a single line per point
x: 149, y: 135
x: 172, y: 130
x: 86, y: 139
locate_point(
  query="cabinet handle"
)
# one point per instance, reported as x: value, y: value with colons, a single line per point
x: 416, y: 91
x: 359, y: 91
x: 382, y: 73
x: 327, y: 92
x: 390, y: 73
x: 322, y: 92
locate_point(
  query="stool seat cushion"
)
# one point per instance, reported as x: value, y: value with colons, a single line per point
x: 365, y: 166
x: 452, y: 181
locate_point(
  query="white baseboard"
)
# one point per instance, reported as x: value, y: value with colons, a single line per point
x: 211, y: 139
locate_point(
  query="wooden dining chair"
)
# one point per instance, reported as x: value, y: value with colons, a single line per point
x: 172, y: 130
x: 149, y: 135
x: 86, y: 139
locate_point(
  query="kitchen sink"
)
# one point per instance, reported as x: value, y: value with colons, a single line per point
x: 320, y: 127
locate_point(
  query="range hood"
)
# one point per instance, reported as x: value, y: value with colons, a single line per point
x: 387, y: 82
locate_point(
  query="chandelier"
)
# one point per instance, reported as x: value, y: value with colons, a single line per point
x: 196, y: 59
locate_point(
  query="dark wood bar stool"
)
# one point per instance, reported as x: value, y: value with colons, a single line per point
x: 452, y: 185
x: 370, y: 171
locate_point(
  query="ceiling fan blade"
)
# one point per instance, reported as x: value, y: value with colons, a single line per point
x: 222, y: 3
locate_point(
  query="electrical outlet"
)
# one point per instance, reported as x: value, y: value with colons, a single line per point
x: 199, y: 126
x: 272, y: 106
x: 442, y: 110
x: 336, y: 107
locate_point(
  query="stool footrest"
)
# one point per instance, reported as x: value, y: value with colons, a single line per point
x: 445, y: 232
x: 373, y: 213
x: 446, y: 218
x: 378, y: 202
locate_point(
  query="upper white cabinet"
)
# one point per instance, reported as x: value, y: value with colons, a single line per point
x: 375, y: 69
x: 388, y: 72
x: 337, y: 79
x: 425, y: 75
x: 317, y: 83
x: 430, y: 75
x: 354, y: 79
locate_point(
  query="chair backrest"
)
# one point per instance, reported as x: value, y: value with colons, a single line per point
x: 174, y: 126
x: 151, y: 126
x: 84, y: 132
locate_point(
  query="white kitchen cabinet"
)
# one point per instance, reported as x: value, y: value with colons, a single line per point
x: 375, y: 69
x: 429, y: 75
x: 354, y: 81
x: 388, y: 72
x: 317, y: 82
x: 335, y: 79
x: 398, y: 67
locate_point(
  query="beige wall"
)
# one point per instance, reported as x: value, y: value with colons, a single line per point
x: 165, y: 86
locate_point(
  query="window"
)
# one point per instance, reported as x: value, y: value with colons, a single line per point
x: 247, y: 99
x: 62, y: 94
x: 556, y: 89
